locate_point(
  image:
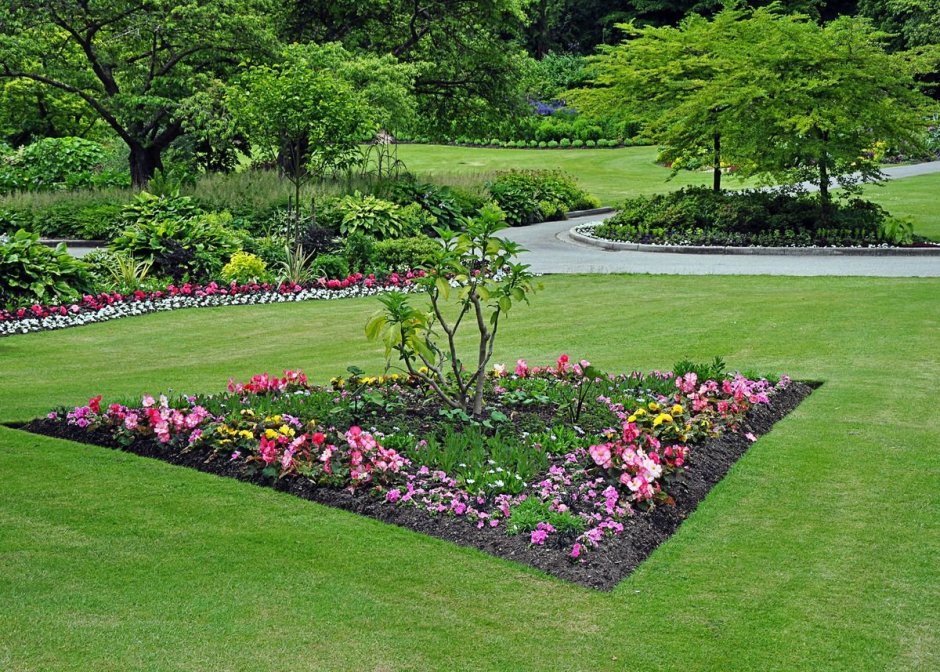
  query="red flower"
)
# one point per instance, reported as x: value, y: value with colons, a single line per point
x: 95, y: 404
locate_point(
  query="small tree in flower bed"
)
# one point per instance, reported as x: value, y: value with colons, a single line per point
x: 477, y: 271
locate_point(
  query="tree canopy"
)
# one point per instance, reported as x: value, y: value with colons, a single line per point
x: 132, y: 61
x: 778, y: 95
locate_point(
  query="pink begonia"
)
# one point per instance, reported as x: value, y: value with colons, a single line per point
x: 576, y: 551
x: 522, y: 369
x: 538, y: 537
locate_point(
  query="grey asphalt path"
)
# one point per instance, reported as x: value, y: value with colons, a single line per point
x: 551, y: 250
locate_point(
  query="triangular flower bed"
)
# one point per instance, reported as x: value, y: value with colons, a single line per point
x: 576, y: 473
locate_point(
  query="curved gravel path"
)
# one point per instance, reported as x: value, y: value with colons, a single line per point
x: 552, y: 250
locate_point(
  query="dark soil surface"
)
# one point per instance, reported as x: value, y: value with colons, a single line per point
x: 602, y: 567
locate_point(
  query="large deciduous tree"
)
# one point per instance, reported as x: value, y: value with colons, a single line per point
x: 132, y: 61
x: 780, y: 96
x: 467, y: 54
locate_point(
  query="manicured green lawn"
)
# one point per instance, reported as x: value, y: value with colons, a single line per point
x: 819, y: 551
x: 914, y: 197
x: 610, y: 174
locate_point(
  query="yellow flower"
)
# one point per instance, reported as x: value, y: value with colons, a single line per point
x: 661, y: 418
x: 270, y: 433
x: 245, y: 434
x: 640, y: 412
x: 284, y: 429
x: 677, y: 410
x: 653, y: 406
x: 632, y: 418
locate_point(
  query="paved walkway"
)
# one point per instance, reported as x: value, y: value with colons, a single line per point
x: 551, y: 250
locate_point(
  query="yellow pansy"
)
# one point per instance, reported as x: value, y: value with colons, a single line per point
x: 284, y: 429
x: 653, y: 406
x: 245, y: 434
x: 632, y: 418
x: 661, y: 418
x: 640, y: 412
x: 677, y: 410
x: 270, y: 433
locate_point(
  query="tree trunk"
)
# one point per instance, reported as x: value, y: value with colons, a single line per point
x: 716, y: 171
x: 824, y: 198
x: 144, y: 163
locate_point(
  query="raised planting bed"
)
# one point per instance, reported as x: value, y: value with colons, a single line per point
x: 573, y: 471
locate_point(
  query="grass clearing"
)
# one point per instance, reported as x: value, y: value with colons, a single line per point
x: 815, y: 552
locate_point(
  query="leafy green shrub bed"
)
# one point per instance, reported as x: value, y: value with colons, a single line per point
x: 700, y: 216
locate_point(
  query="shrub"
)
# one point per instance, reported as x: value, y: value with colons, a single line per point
x: 578, y: 143
x: 31, y: 272
x: 245, y: 267
x: 697, y: 215
x: 193, y: 247
x: 565, y: 142
x: 533, y: 143
x: 359, y: 252
x: 317, y: 240
x: 148, y: 208
x: 405, y: 254
x: 330, y: 266
x: 528, y: 196
x: 551, y: 144
x: 542, y: 144
x: 590, y: 143
x: 441, y: 203
x: 58, y: 163
x: 373, y: 216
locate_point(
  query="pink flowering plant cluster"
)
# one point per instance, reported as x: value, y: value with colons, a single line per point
x: 563, y: 454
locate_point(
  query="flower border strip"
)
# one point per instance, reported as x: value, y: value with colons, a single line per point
x: 105, y: 307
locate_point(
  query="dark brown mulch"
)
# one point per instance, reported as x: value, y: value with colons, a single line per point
x: 602, y: 568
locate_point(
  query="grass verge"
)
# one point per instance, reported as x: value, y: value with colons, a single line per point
x: 815, y: 552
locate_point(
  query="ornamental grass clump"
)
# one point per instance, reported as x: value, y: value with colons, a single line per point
x: 475, y: 273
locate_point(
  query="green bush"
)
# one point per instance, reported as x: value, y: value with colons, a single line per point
x: 405, y: 254
x: 528, y: 196
x: 178, y: 245
x: 590, y: 143
x: 245, y: 267
x: 441, y: 203
x: 551, y: 144
x: 31, y: 272
x: 331, y: 267
x: 53, y: 164
x: 747, y: 217
x: 373, y: 216
x: 149, y: 208
x: 578, y: 143
x: 359, y: 251
x: 565, y: 142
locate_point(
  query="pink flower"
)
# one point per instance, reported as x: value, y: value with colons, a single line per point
x: 601, y: 455
x: 522, y: 369
x: 538, y: 537
x: 393, y: 496
x: 576, y: 551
